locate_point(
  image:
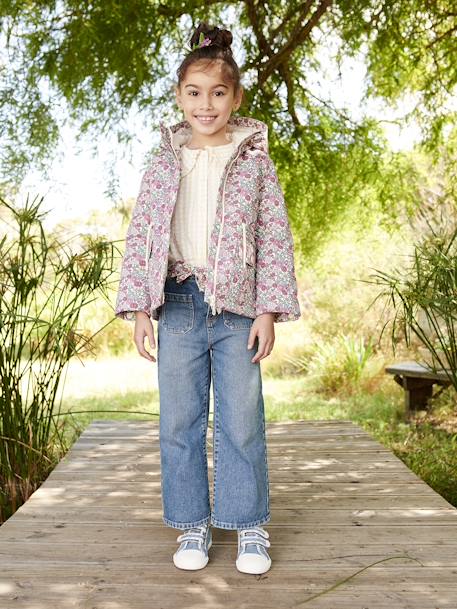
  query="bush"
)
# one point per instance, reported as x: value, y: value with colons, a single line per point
x: 423, y: 299
x: 343, y: 364
x: 44, y: 286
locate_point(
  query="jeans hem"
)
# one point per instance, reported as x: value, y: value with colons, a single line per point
x: 185, y: 525
x: 229, y: 525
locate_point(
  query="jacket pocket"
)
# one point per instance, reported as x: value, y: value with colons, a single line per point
x: 248, y: 247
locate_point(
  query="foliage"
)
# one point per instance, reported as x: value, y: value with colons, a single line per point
x: 424, y: 443
x: 97, y: 63
x: 44, y: 285
x: 341, y: 364
x: 411, y: 48
x: 115, y: 338
x: 424, y: 298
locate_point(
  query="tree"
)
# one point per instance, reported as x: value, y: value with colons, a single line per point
x: 98, y: 61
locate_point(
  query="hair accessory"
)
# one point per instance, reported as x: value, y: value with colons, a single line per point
x: 202, y: 42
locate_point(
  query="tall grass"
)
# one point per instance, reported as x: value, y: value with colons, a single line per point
x: 424, y: 299
x: 339, y: 364
x: 44, y: 285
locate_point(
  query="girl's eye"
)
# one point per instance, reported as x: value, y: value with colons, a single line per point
x: 196, y: 93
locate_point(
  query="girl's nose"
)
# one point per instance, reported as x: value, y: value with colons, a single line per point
x: 206, y: 105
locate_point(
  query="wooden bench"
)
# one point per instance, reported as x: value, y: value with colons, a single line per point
x: 417, y: 381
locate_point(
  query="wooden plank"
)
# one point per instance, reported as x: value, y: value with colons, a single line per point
x: 276, y: 475
x: 253, y: 594
x: 278, y: 499
x: 273, y: 432
x: 323, y: 463
x: 334, y: 443
x: 404, y: 516
x: 308, y: 541
x: 133, y: 423
x: 390, y: 576
x: 151, y: 455
x: 92, y: 536
x: 321, y: 489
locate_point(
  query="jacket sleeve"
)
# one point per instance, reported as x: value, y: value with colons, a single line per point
x: 133, y: 292
x: 276, y: 284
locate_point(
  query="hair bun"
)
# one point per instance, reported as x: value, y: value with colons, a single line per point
x: 218, y: 36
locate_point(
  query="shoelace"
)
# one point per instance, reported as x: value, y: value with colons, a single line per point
x: 197, y: 534
x: 254, y: 535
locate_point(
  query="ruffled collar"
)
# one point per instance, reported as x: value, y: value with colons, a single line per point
x: 221, y: 149
x: 215, y: 154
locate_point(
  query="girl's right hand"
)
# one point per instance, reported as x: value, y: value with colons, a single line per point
x: 143, y: 328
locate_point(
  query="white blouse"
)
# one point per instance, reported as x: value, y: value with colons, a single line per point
x: 195, y: 209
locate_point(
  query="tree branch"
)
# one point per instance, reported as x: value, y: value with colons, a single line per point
x: 441, y: 36
x: 300, y: 36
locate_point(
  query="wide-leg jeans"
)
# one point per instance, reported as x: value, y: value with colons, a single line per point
x: 195, y: 346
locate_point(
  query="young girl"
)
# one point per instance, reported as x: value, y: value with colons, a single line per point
x: 209, y: 256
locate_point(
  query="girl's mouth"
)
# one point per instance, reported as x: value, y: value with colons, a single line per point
x: 205, y: 120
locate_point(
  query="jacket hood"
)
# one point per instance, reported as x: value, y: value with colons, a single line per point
x: 243, y: 128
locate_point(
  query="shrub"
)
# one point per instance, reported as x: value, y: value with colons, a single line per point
x: 44, y: 285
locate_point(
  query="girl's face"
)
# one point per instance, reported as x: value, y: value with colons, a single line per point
x: 207, y: 102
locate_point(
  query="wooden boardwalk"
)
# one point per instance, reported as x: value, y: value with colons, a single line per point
x: 92, y: 536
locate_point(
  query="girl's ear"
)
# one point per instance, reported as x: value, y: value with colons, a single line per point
x: 178, y: 97
x: 238, y: 98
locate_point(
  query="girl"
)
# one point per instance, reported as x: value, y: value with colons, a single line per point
x: 209, y: 256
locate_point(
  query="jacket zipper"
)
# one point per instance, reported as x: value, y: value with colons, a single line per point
x: 213, y: 296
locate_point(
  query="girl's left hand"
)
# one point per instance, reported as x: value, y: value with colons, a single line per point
x: 263, y: 327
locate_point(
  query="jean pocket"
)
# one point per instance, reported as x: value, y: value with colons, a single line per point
x: 234, y: 321
x: 178, y: 313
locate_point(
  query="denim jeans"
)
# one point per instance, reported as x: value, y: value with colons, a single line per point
x: 194, y: 346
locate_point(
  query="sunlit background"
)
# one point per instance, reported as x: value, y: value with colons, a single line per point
x: 78, y: 178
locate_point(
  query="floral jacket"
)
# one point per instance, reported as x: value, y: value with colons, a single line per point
x: 250, y: 265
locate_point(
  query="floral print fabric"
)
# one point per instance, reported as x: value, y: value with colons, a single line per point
x: 250, y: 267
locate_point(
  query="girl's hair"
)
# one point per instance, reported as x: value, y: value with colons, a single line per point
x: 218, y: 49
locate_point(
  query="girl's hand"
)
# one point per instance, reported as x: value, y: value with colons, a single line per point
x: 143, y: 328
x: 263, y: 327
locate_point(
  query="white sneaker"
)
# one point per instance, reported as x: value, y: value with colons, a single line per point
x: 193, y: 551
x: 252, y: 555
